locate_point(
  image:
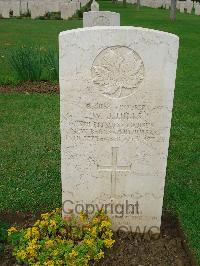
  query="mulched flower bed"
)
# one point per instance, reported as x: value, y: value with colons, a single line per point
x: 29, y: 87
x: 169, y: 248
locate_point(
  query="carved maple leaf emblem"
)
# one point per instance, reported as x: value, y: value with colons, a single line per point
x: 118, y: 71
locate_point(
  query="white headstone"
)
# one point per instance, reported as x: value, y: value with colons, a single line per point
x: 23, y: 6
x: 6, y: 8
x: 197, y: 9
x: 117, y: 88
x: 195, y: 4
x: 182, y: 7
x: 189, y: 6
x: 69, y: 9
x: 16, y: 8
x: 101, y: 18
x: 37, y: 9
x: 94, y: 6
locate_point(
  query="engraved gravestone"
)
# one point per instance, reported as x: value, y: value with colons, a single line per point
x: 101, y: 18
x: 116, y: 106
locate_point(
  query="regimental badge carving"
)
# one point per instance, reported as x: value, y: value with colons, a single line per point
x: 117, y: 71
x: 101, y: 21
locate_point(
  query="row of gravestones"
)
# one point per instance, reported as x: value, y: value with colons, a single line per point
x: 189, y: 6
x: 40, y: 8
x: 181, y: 5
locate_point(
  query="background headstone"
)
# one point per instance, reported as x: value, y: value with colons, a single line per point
x: 101, y: 18
x: 182, y: 7
x: 69, y: 9
x: 23, y: 6
x: 6, y: 8
x: 94, y: 6
x: 197, y: 9
x: 16, y: 8
x: 189, y: 6
x: 37, y: 9
x: 116, y: 107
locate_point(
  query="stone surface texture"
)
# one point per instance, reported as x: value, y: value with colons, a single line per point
x: 117, y: 88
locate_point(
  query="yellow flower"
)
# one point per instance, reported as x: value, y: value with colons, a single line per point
x: 94, y: 231
x: 59, y: 262
x: 35, y: 232
x: 32, y: 248
x: 73, y: 254
x: 37, y: 223
x: 99, y: 255
x: 11, y: 230
x: 107, y: 234
x: 95, y: 220
x: 55, y: 253
x: 21, y: 254
x: 43, y: 224
x: 56, y: 211
x: 49, y: 263
x: 53, y: 223
x: 109, y: 242
x: 89, y: 241
x: 83, y: 216
x: 37, y: 264
x: 45, y: 216
x: 105, y: 224
x: 49, y: 243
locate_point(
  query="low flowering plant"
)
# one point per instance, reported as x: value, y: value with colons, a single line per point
x: 54, y: 241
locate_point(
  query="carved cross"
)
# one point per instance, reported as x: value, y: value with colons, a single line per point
x: 114, y: 168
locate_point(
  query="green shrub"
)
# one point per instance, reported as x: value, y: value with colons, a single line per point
x: 52, y: 64
x: 33, y: 63
x: 27, y: 62
x: 54, y: 241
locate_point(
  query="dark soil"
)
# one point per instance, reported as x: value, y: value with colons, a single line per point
x: 167, y: 249
x: 29, y: 87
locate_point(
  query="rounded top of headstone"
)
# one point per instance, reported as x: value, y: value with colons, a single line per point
x: 121, y: 28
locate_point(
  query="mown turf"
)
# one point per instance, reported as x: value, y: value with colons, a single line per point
x: 29, y: 129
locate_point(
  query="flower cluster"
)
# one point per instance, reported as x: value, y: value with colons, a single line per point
x: 52, y: 240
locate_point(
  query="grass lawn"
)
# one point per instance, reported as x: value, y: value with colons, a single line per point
x: 29, y: 123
